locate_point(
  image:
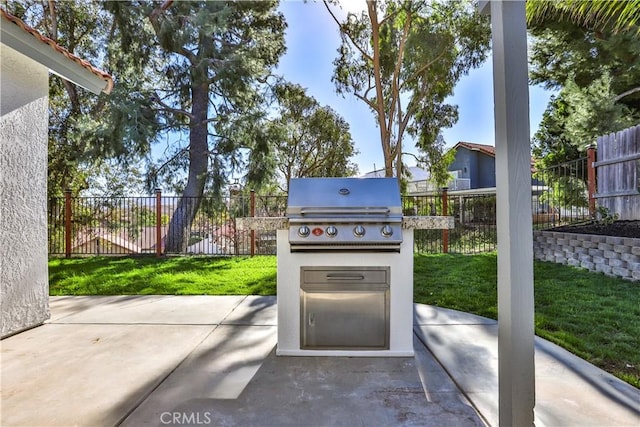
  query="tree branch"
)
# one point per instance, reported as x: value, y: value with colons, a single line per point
x: 164, y: 6
x: 175, y: 156
x: 388, y: 17
x: 404, y: 121
x: 211, y: 120
x: 369, y: 88
x: 415, y: 6
x: 366, y: 101
x: 395, y: 85
x: 626, y: 93
x: 418, y: 159
x: 154, y: 17
x: 155, y: 98
x: 384, y: 130
x: 421, y: 69
x: 353, y: 42
x: 70, y: 88
x: 53, y: 31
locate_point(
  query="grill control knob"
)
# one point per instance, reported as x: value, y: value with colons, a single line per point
x: 304, y: 231
x: 386, y: 231
x: 358, y: 231
x: 331, y: 231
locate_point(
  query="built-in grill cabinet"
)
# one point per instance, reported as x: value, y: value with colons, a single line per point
x: 345, y: 270
x: 344, y: 308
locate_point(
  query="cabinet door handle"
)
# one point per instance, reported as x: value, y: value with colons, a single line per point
x: 345, y: 276
x: 312, y: 319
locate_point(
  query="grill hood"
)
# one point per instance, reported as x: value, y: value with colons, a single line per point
x: 362, y: 214
x: 334, y: 198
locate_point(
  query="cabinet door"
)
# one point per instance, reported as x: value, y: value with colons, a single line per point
x: 357, y: 318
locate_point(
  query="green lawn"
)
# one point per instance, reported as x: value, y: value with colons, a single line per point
x: 591, y: 315
x: 162, y: 276
x: 594, y: 316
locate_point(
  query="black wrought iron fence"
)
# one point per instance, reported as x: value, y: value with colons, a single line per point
x: 102, y: 225
x: 212, y: 230
x: 475, y: 219
x: 145, y: 225
x: 560, y: 194
x: 56, y: 226
x: 475, y: 222
x: 159, y: 225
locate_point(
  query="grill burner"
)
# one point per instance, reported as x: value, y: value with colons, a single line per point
x: 344, y: 213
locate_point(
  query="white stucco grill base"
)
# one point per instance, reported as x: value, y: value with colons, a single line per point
x: 401, y: 295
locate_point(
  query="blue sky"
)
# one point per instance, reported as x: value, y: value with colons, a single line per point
x: 312, y: 39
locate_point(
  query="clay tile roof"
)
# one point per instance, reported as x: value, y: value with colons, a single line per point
x: 487, y: 149
x: 56, y: 47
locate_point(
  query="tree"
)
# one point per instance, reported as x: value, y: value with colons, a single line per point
x: 562, y: 49
x: 207, y: 64
x: 110, y: 178
x: 588, y: 50
x: 437, y: 161
x: 608, y: 15
x: 575, y: 118
x: 310, y: 140
x: 402, y: 59
x: 80, y: 27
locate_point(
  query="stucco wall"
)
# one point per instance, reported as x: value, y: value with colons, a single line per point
x: 23, y: 176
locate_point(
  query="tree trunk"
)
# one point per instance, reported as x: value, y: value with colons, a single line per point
x: 183, y: 216
x: 385, y: 133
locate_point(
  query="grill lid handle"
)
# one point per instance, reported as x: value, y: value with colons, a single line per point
x: 346, y: 211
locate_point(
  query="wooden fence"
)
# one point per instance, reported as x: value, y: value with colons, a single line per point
x: 618, y: 173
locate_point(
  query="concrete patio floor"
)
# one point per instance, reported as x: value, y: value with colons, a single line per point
x: 210, y: 360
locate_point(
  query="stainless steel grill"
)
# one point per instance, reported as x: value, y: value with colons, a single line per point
x: 344, y: 213
x: 345, y: 270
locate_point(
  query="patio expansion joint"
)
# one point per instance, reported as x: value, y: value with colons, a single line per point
x: 458, y: 385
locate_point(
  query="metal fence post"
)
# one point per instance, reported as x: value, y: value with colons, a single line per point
x: 445, y: 210
x: 67, y: 223
x: 591, y: 179
x: 253, y: 214
x: 158, y: 222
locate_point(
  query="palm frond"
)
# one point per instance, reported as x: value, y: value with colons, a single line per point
x: 600, y: 15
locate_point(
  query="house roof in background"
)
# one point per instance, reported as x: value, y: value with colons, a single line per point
x: 378, y: 173
x: 417, y: 173
x: 87, y: 238
x: 486, y: 149
x: 489, y: 150
x: 28, y: 41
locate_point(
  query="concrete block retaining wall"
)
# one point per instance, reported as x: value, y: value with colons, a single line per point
x: 613, y: 256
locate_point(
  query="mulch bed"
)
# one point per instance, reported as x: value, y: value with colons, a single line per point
x: 617, y: 228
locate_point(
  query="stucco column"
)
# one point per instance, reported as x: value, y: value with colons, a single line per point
x: 24, y: 280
